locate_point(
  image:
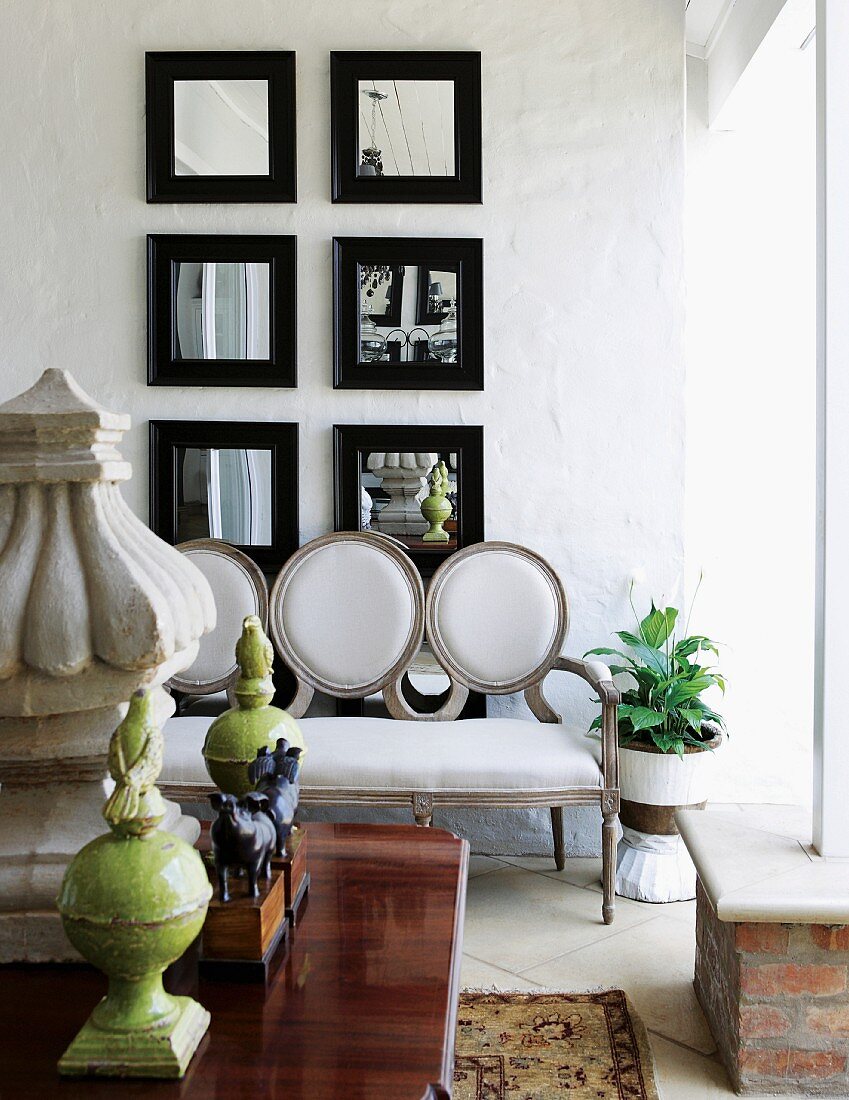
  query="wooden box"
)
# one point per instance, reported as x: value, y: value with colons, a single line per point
x: 242, y: 936
x: 295, y: 874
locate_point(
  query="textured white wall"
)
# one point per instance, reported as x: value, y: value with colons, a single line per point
x: 583, y: 128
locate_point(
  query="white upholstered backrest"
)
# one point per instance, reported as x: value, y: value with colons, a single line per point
x: 347, y: 613
x: 496, y: 617
x: 239, y: 589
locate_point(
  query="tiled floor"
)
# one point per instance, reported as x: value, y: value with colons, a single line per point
x: 529, y: 926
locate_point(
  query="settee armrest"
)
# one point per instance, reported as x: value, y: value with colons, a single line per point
x: 600, y: 678
x: 596, y: 673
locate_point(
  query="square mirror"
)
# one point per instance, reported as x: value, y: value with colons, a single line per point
x: 224, y: 493
x: 408, y: 313
x: 234, y: 481
x: 423, y: 486
x: 222, y: 310
x: 221, y: 127
x: 406, y: 127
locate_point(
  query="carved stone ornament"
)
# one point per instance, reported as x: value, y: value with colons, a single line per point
x: 94, y: 606
x: 402, y: 474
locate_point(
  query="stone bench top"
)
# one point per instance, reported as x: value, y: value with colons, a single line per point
x: 759, y: 875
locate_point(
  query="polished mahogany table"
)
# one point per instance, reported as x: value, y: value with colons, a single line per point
x: 364, y: 1004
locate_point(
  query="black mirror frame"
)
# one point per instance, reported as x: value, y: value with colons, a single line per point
x: 350, y: 441
x: 347, y: 69
x: 281, y: 439
x: 275, y: 66
x: 279, y: 252
x: 348, y: 372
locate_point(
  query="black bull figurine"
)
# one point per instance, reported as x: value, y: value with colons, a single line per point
x: 276, y: 776
x: 247, y: 832
x: 242, y: 836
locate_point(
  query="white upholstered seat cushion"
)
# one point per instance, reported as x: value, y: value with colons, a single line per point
x: 382, y: 754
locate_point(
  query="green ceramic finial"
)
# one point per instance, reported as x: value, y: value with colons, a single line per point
x: 233, y: 739
x: 135, y: 807
x: 435, y: 508
x: 132, y: 901
x: 255, y: 657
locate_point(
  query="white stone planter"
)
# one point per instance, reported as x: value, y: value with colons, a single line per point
x: 652, y: 861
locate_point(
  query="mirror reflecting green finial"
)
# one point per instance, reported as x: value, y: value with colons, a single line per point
x: 435, y: 508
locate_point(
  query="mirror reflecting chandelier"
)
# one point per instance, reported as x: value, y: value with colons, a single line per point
x: 372, y: 162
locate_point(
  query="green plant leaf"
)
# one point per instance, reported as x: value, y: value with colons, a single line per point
x: 650, y: 657
x: 693, y: 643
x: 691, y: 715
x: 658, y: 625
x: 606, y: 651
x: 641, y: 717
x: 668, y: 742
x: 688, y: 689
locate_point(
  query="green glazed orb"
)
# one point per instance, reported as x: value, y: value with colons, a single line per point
x: 132, y: 905
x: 235, y: 736
x: 233, y: 739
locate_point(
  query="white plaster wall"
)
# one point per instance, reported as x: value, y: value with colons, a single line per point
x: 583, y: 127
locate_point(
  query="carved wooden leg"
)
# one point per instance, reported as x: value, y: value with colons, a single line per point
x: 557, y: 832
x: 423, y: 808
x: 608, y: 866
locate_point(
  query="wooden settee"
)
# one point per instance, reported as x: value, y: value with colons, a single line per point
x: 348, y: 614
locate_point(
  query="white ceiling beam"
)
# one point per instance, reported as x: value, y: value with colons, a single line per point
x: 732, y: 45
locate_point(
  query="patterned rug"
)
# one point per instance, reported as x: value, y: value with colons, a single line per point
x: 537, y: 1046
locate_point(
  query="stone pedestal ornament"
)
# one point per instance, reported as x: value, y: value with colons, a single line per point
x: 402, y: 474
x: 94, y: 606
x: 132, y: 901
x: 435, y: 507
x: 236, y: 736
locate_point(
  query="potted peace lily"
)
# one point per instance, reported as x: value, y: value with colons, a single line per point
x: 667, y: 736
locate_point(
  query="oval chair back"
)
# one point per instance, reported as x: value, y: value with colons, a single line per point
x: 239, y: 589
x: 347, y: 615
